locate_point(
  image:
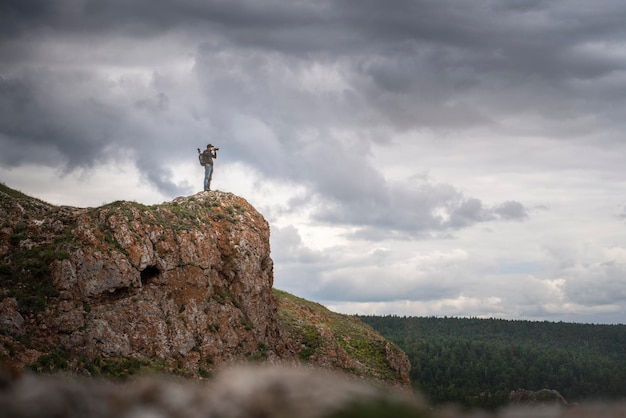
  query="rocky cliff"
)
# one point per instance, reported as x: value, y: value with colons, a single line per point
x: 183, y: 286
x: 187, y: 283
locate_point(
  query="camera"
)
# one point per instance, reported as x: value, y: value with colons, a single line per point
x: 212, y: 148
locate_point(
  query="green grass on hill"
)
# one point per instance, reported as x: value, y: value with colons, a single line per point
x: 304, y: 320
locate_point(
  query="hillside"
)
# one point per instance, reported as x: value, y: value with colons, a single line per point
x: 182, y: 287
x: 331, y: 340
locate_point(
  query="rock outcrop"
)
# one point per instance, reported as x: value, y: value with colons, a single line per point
x: 187, y: 283
x: 184, y: 286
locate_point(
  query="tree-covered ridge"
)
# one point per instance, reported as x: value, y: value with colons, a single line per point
x: 479, y: 361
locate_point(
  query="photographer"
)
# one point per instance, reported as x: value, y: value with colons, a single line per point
x: 206, y: 160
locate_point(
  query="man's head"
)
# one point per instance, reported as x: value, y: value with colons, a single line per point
x: 209, y: 146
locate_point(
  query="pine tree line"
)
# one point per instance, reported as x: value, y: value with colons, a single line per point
x: 478, y: 362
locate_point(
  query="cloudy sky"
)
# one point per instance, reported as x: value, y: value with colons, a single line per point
x: 413, y: 157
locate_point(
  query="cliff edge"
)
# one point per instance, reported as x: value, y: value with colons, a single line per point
x: 184, y: 286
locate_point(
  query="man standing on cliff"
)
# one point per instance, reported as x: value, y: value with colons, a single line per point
x: 206, y: 160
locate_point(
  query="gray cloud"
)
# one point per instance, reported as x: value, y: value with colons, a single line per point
x: 291, y: 247
x: 511, y: 210
x: 411, y: 210
x: 600, y: 283
x: 41, y: 122
x: 297, y: 268
x: 76, y: 120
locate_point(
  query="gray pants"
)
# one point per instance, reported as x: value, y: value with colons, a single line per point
x: 208, y: 174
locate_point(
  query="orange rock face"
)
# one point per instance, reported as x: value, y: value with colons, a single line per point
x: 187, y: 283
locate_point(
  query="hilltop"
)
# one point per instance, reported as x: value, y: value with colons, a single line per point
x: 181, y: 287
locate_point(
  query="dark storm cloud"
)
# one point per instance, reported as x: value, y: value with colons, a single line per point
x: 41, y: 125
x: 511, y: 33
x: 144, y: 17
x: 70, y: 121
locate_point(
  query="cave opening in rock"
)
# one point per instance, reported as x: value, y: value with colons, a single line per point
x: 149, y: 273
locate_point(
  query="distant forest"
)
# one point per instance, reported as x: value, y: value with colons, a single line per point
x: 478, y: 362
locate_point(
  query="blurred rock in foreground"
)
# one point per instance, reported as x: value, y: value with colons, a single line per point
x: 243, y: 391
x: 237, y: 392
